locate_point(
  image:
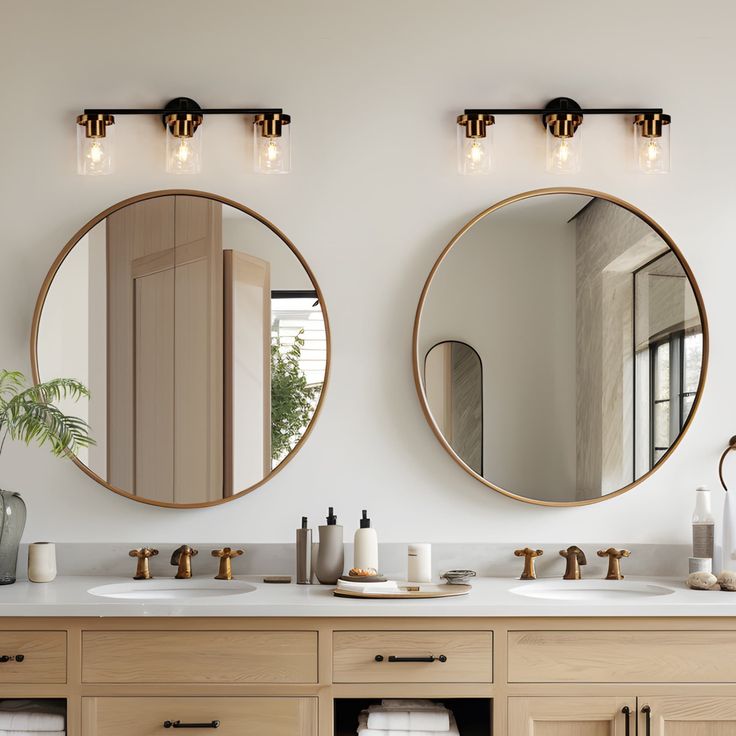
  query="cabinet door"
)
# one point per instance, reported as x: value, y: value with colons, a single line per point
x: 571, y: 716
x: 691, y: 716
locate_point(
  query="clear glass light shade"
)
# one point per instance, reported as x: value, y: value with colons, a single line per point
x: 474, y: 154
x: 183, y: 154
x: 652, y: 152
x: 564, y: 155
x: 95, y: 153
x: 271, y: 154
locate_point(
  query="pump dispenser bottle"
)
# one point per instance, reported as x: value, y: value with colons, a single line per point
x: 703, y: 524
x: 365, y: 551
x: 331, y: 555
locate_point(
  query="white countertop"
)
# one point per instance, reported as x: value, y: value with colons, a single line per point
x: 69, y: 596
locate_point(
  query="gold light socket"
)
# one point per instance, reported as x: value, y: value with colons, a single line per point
x: 651, y: 123
x: 95, y: 126
x: 183, y: 124
x: 271, y: 123
x: 563, y: 125
x: 475, y: 124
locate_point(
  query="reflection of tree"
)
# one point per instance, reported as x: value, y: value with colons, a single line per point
x: 292, y: 398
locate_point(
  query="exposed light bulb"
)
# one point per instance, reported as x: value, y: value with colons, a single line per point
x: 183, y: 151
x: 654, y: 150
x: 96, y: 151
x: 476, y: 152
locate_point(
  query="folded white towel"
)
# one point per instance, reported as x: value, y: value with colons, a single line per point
x: 389, y: 586
x: 407, y: 715
x: 32, y: 733
x: 364, y: 730
x: 30, y: 715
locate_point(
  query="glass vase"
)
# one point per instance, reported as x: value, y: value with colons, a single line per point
x: 12, y: 523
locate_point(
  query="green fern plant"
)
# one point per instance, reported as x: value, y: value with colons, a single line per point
x: 28, y: 414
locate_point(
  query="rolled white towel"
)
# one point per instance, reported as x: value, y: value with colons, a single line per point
x: 409, y: 715
x: 365, y: 730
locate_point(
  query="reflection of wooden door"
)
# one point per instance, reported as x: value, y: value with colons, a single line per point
x: 689, y: 716
x: 570, y: 716
x: 165, y: 349
x: 247, y: 370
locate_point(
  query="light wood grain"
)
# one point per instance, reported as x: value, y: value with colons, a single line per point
x: 199, y: 656
x: 622, y: 656
x: 689, y: 716
x: 250, y: 716
x: 469, y: 656
x: 44, y: 657
x: 569, y: 716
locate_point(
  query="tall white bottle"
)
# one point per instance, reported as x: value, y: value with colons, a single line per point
x: 365, y: 552
x: 703, y: 525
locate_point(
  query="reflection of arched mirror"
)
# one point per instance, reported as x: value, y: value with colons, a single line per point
x: 202, y: 336
x: 453, y: 383
x: 592, y: 336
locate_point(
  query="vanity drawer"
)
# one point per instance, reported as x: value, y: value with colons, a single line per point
x: 42, y: 657
x: 622, y: 656
x: 469, y: 656
x: 199, y: 656
x: 250, y: 716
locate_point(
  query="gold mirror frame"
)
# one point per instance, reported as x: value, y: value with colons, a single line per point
x: 56, y: 265
x: 417, y: 359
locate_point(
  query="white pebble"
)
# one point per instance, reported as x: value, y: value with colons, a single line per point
x: 727, y: 580
x: 702, y: 580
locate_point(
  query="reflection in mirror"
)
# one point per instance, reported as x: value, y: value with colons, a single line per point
x: 453, y: 381
x: 591, y: 339
x: 202, y: 340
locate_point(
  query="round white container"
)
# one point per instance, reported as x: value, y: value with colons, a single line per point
x: 419, y: 563
x: 41, y: 562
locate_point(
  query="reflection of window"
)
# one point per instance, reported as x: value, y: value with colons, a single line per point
x: 675, y: 363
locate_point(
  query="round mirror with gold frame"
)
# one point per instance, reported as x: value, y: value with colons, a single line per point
x: 202, y: 336
x: 591, y: 340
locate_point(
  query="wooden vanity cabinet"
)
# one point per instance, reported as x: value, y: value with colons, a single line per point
x: 289, y: 676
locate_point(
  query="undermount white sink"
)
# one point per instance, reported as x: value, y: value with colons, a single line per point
x: 166, y: 590
x: 590, y: 590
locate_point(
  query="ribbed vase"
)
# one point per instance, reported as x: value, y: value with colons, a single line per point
x: 12, y: 523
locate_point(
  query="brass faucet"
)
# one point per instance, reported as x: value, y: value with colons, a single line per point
x: 183, y: 558
x: 614, y: 561
x: 142, y: 571
x: 226, y: 554
x: 575, y: 557
x: 529, y: 555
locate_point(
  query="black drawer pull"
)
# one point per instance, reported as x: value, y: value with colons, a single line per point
x: 627, y: 712
x: 392, y: 658
x: 179, y: 724
x: 647, y: 711
x: 9, y: 658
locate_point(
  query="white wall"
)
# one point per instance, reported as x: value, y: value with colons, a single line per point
x: 373, y: 88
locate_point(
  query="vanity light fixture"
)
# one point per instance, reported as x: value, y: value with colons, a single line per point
x: 562, y: 118
x: 182, y: 118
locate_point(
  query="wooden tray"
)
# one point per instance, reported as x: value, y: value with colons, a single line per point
x: 427, y: 590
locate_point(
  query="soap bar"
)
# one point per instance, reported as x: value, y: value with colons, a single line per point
x: 277, y: 579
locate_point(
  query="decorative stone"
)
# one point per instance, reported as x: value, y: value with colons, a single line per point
x: 727, y: 580
x: 702, y: 581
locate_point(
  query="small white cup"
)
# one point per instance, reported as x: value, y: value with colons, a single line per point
x: 41, y: 562
x: 419, y: 563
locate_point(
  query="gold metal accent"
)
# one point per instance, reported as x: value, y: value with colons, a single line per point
x: 563, y: 124
x: 529, y: 555
x: 226, y: 554
x: 417, y: 360
x: 614, y: 561
x: 183, y: 124
x: 142, y: 571
x: 56, y: 265
x: 271, y: 123
x: 95, y: 126
x: 651, y: 123
x: 183, y: 558
x: 475, y: 124
x: 575, y: 557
